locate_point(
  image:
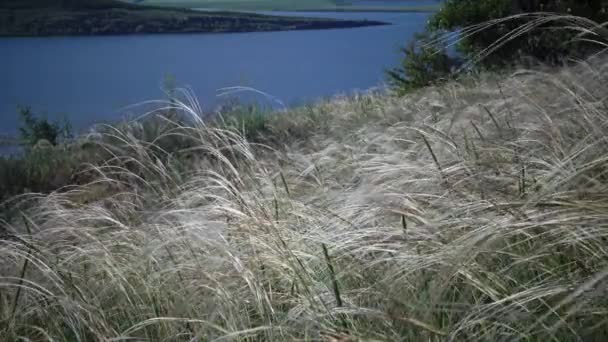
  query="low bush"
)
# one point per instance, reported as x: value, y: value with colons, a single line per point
x: 52, y: 159
x: 35, y: 129
x: 249, y: 120
x: 425, y: 62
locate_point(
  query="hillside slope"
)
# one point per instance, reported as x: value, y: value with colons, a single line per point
x: 473, y: 211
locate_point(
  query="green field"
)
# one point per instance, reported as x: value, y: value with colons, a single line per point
x: 283, y: 5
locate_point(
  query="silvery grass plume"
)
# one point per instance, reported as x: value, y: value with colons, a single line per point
x: 477, y: 210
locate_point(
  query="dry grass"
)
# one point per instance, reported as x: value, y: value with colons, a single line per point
x: 474, y: 211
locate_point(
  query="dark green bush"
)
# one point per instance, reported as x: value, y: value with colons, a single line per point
x: 249, y: 120
x: 553, y: 42
x: 48, y: 160
x: 425, y: 62
x: 34, y: 129
x: 42, y: 169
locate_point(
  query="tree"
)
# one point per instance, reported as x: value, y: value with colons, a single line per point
x: 489, y: 41
x: 550, y: 42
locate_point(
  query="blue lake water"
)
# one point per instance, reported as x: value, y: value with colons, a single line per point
x: 93, y: 79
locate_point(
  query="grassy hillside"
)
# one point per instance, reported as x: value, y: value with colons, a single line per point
x: 473, y: 211
x: 71, y: 17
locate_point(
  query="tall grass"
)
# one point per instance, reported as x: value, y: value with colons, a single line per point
x: 473, y: 211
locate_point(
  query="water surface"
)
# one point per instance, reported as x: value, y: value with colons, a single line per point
x: 92, y: 79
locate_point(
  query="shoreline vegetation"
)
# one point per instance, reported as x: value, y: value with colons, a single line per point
x: 96, y: 17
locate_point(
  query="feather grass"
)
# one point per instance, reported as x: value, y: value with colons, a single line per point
x: 430, y: 239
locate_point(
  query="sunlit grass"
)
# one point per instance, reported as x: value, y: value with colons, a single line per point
x: 475, y: 212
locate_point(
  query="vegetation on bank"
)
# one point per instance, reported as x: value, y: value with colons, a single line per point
x: 50, y: 158
x: 98, y: 17
x: 498, y: 34
x: 47, y: 160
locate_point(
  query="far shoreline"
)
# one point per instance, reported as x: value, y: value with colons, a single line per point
x: 59, y: 22
x: 419, y: 9
x: 168, y: 33
x: 369, y: 10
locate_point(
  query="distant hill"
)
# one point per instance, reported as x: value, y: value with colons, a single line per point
x: 103, y: 17
x: 247, y: 5
x: 65, y: 4
x: 302, y: 5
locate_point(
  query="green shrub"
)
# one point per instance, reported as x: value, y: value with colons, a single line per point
x: 489, y: 43
x: 42, y: 169
x: 249, y: 120
x: 52, y: 160
x: 34, y: 129
x: 549, y: 42
x: 425, y: 62
x: 49, y: 160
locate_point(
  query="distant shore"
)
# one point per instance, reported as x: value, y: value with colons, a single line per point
x: 36, y: 22
x: 417, y: 9
x: 345, y: 9
x: 299, y: 5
